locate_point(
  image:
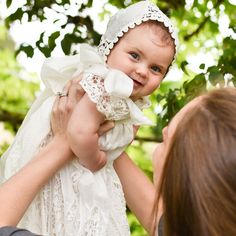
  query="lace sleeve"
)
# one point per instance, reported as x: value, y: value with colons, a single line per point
x: 114, y: 108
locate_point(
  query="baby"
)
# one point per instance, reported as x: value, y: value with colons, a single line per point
x: 132, y: 59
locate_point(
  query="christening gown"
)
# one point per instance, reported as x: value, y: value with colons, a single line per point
x: 77, y: 202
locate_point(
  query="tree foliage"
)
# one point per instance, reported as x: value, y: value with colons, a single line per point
x: 205, y: 26
x: 16, y: 94
x: 197, y: 23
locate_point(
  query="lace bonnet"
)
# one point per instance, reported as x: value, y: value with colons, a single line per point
x: 128, y: 18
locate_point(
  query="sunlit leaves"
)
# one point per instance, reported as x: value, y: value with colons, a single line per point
x: 227, y: 61
x: 27, y: 49
x: 16, y: 94
x: 47, y: 48
x: 183, y: 66
x: 52, y: 38
x: 195, y: 87
x: 17, y: 15
x: 9, y: 2
x: 215, y: 76
x: 35, y: 10
x: 202, y: 66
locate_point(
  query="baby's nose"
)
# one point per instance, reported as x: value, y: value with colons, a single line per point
x: 142, y: 70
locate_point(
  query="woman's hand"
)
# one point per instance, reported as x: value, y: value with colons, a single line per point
x: 64, y: 106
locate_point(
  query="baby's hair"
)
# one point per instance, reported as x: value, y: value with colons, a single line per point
x: 160, y: 29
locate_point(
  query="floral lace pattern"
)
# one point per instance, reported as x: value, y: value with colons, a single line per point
x: 114, y: 108
x: 51, y: 215
x: 58, y: 211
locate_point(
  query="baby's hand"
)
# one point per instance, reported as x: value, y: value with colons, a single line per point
x: 95, y: 164
x: 105, y: 127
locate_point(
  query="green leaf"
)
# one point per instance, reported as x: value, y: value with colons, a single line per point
x: 202, y: 66
x: 9, y: 2
x: 195, y: 87
x: 66, y: 44
x: 17, y: 15
x: 46, y: 51
x: 215, y: 76
x: 52, y: 39
x: 90, y: 3
x: 183, y: 66
x: 27, y: 49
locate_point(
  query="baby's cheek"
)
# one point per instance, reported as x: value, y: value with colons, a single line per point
x: 154, y: 84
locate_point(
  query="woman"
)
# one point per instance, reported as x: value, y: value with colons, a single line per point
x: 197, y: 186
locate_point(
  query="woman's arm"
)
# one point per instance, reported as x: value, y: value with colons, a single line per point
x: 17, y: 193
x: 138, y: 189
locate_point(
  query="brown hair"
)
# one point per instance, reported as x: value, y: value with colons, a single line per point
x: 198, y: 184
x: 160, y: 29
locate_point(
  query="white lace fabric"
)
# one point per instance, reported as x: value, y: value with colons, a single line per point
x: 82, y: 216
x: 77, y: 201
x: 113, y: 108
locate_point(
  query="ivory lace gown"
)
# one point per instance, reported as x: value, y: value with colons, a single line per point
x: 77, y: 202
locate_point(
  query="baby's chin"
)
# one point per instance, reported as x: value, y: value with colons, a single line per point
x: 134, y: 97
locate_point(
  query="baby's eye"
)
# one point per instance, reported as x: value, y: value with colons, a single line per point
x: 134, y: 55
x: 155, y: 69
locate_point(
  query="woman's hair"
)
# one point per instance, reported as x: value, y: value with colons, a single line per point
x: 198, y: 184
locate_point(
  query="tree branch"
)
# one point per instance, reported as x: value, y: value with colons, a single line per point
x: 201, y: 25
x: 148, y: 139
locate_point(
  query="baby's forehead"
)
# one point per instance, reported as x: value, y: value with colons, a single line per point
x: 156, y: 33
x: 141, y: 31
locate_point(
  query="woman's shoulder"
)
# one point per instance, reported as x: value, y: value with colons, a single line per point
x: 160, y: 227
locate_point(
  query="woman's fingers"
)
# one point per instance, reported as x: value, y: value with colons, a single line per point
x: 75, y: 94
x: 106, y: 126
x: 63, y: 100
x: 65, y: 103
x: 78, y: 77
x: 59, y: 115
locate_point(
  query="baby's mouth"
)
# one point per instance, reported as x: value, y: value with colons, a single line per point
x: 137, y: 83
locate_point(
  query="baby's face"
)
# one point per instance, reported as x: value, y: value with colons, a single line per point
x: 142, y: 56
